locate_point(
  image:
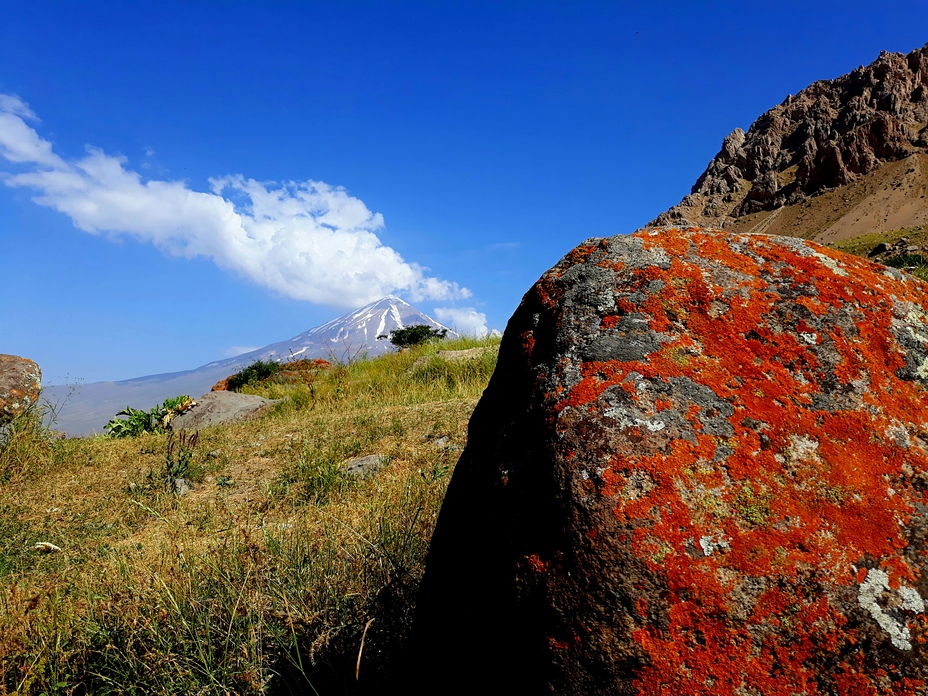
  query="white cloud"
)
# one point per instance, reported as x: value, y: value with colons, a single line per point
x: 10, y: 103
x: 464, y: 320
x: 304, y: 239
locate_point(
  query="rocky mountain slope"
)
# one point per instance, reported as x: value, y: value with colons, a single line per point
x: 841, y: 158
x: 91, y: 405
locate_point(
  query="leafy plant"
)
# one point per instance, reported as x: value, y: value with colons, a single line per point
x: 413, y: 335
x: 257, y: 371
x: 136, y: 422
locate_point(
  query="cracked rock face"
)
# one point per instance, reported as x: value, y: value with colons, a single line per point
x: 20, y: 386
x: 701, y: 467
x: 826, y: 136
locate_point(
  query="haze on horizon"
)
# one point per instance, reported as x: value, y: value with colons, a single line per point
x: 184, y: 182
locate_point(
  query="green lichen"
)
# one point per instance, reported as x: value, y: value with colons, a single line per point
x: 752, y: 506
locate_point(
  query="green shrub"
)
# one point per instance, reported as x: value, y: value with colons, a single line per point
x: 414, y: 335
x: 257, y: 371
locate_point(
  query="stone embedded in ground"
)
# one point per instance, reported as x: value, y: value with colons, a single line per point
x: 221, y: 407
x: 701, y: 467
x: 365, y: 466
x: 20, y: 386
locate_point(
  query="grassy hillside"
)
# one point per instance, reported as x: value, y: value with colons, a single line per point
x: 915, y: 263
x: 264, y: 578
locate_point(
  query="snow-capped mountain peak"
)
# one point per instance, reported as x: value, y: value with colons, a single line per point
x: 347, y: 336
x: 358, y: 330
x: 342, y: 339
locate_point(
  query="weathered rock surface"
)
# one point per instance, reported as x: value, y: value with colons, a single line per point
x: 701, y: 467
x: 20, y: 386
x: 363, y: 467
x: 221, y: 407
x: 826, y: 136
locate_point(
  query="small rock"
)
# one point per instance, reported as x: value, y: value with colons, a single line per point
x: 442, y: 441
x: 214, y: 454
x: 365, y: 466
x: 181, y: 487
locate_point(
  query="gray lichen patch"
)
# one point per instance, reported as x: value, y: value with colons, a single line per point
x: 890, y: 614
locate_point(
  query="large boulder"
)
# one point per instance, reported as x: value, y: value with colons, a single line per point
x: 20, y: 386
x: 700, y: 468
x: 218, y: 407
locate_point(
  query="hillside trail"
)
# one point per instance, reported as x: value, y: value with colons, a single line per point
x: 765, y: 224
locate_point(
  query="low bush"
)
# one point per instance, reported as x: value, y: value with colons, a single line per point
x: 258, y: 370
x: 414, y: 335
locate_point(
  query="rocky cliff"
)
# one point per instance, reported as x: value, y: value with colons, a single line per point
x: 832, y: 134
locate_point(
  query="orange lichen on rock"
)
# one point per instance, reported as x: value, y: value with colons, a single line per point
x: 20, y: 387
x: 716, y: 465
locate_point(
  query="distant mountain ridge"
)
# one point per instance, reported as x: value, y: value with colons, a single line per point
x: 842, y: 157
x: 344, y: 337
x: 347, y: 337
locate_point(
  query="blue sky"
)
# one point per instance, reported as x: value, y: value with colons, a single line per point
x: 179, y: 180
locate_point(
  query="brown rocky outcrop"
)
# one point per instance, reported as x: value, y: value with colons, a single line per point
x: 701, y: 467
x: 20, y: 386
x: 828, y: 135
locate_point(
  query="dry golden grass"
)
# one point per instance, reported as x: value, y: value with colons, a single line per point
x: 262, y: 578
